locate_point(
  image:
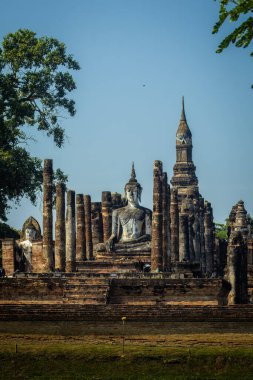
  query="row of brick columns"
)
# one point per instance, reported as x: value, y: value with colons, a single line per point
x: 172, y: 226
x: 73, y: 235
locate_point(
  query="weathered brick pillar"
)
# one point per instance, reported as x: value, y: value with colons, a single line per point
x: 231, y: 219
x: 183, y: 237
x: 165, y: 222
x: 236, y: 272
x: 107, y: 214
x: 8, y: 256
x: 97, y: 223
x: 60, y: 231
x: 250, y: 251
x: 38, y: 260
x: 196, y: 231
x: 116, y: 200
x: 88, y: 232
x: 241, y: 222
x: 80, y: 229
x: 48, y: 214
x: 174, y: 226
x: 70, y: 233
x: 191, y: 219
x: 157, y: 220
x: 209, y: 238
x: 202, y: 235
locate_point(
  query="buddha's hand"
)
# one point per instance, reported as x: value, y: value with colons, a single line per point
x: 109, y: 245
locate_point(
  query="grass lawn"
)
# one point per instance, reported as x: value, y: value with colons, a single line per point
x: 52, y: 350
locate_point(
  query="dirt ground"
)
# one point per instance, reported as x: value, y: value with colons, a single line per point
x: 168, y: 334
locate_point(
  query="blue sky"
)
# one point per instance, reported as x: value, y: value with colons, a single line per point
x: 168, y: 46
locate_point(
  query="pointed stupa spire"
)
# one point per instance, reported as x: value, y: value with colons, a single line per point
x: 133, y: 181
x: 133, y: 175
x: 183, y: 129
x: 183, y: 118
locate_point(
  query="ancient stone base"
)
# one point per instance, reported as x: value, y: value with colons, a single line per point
x: 127, y: 289
x: 185, y: 269
x: 137, y: 313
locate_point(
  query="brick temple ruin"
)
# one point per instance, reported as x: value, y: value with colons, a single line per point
x: 116, y: 253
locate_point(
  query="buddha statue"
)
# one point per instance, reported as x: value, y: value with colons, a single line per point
x: 131, y: 225
x: 30, y: 233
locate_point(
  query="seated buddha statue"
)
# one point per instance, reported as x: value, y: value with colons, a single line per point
x: 30, y: 233
x: 131, y: 225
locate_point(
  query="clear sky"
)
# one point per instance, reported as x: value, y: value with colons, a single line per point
x: 168, y: 46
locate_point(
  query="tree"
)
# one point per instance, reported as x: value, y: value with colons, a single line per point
x: 242, y: 35
x: 34, y: 85
x: 221, y: 230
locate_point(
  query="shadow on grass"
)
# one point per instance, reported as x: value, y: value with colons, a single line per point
x: 78, y: 361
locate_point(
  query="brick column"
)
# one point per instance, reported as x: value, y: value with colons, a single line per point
x: 209, y: 238
x: 38, y: 260
x: 183, y: 237
x: 60, y: 229
x: 116, y: 200
x: 191, y: 237
x: 202, y: 235
x: 237, y: 269
x: 48, y: 214
x: 8, y: 256
x: 250, y: 251
x: 70, y: 233
x: 88, y: 232
x: 157, y: 220
x: 107, y: 214
x: 196, y: 230
x: 97, y: 223
x: 174, y: 226
x: 80, y: 229
x: 165, y: 222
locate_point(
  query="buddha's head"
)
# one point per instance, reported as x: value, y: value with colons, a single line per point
x: 133, y: 189
x: 31, y: 230
x: 30, y: 233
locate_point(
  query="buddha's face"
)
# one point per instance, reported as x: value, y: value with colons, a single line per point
x: 30, y: 233
x: 132, y: 194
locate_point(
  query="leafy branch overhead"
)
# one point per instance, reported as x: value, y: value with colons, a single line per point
x: 233, y: 11
x: 35, y: 82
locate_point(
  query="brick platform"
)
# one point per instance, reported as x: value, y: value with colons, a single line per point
x: 151, y: 313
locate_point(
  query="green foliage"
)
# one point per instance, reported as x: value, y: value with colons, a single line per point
x: 34, y: 86
x: 8, y: 232
x: 242, y: 35
x: 221, y: 230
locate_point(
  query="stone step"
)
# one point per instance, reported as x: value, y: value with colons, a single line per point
x: 92, y: 311
x: 85, y: 286
x: 84, y: 294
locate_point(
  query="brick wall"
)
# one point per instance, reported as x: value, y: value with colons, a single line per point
x: 8, y: 258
